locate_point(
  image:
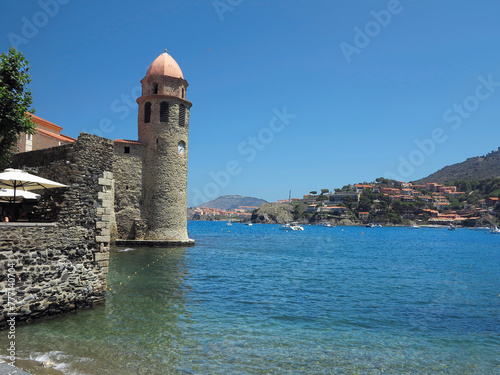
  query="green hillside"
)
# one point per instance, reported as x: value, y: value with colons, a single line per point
x: 476, y: 168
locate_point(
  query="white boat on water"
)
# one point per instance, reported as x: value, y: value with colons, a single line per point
x: 291, y: 226
x: 249, y: 224
x: 325, y: 224
x: 452, y: 227
x: 495, y: 230
x: 414, y: 226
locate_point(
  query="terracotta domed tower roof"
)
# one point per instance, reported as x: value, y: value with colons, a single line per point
x: 165, y: 65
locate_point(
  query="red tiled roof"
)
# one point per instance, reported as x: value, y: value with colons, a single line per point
x: 129, y: 142
x: 60, y: 137
x: 40, y: 121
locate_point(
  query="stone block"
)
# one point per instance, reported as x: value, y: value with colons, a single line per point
x: 104, y: 195
x: 107, y: 203
x: 107, y: 175
x: 105, y: 181
x: 106, y: 218
x: 103, y: 211
x: 101, y: 256
x: 102, y: 224
x: 102, y: 238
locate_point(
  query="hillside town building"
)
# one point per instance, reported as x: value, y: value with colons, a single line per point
x: 47, y: 134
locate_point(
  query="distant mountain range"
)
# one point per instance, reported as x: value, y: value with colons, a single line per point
x: 475, y: 168
x: 230, y: 202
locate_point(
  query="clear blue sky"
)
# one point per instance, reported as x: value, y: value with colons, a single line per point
x: 358, y: 85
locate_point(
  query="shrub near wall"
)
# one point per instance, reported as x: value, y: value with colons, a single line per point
x: 60, y: 264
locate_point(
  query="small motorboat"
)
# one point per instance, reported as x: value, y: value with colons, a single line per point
x: 291, y: 226
x: 325, y: 224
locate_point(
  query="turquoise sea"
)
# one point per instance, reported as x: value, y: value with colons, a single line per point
x: 257, y: 300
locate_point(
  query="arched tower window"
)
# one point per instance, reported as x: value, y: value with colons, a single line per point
x: 163, y: 112
x: 147, y: 112
x: 183, y: 93
x: 181, y: 147
x: 182, y: 115
x: 155, y: 88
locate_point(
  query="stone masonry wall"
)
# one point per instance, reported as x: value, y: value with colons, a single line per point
x: 60, y: 264
x: 165, y: 173
x: 127, y: 172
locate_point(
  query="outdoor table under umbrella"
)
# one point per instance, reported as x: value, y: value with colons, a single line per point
x: 17, y: 179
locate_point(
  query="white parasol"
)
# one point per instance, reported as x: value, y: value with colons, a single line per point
x: 17, y: 179
x: 8, y: 195
x: 24, y: 181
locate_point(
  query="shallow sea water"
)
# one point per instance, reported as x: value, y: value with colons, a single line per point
x: 257, y: 300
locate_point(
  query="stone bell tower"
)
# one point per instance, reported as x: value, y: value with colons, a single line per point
x: 164, y: 128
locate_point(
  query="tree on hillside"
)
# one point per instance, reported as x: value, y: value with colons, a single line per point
x: 365, y: 203
x: 484, y: 186
x: 348, y: 202
x: 454, y: 203
x: 15, y: 102
x: 347, y: 188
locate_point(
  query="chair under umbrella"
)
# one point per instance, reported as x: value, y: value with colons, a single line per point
x: 17, y: 179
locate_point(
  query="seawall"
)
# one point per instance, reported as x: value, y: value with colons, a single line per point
x: 58, y: 261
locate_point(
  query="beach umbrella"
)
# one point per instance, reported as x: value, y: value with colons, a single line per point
x: 18, y: 179
x: 8, y: 195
